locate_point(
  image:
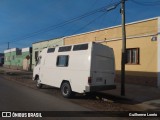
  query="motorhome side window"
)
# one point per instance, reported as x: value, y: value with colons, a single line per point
x: 62, y: 60
x: 64, y: 49
x: 50, y: 50
x: 80, y: 47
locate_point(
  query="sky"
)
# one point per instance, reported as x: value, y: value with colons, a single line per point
x: 23, y: 22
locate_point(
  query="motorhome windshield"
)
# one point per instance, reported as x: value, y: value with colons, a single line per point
x: 38, y: 60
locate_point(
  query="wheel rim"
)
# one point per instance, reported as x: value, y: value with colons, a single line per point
x: 65, y: 90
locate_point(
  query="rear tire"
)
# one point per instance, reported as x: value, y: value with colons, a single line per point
x: 38, y: 84
x: 66, y: 90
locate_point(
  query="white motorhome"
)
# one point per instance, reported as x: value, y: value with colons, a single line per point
x: 77, y: 68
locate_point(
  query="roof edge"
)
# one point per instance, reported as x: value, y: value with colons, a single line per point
x: 47, y: 40
x: 139, y: 21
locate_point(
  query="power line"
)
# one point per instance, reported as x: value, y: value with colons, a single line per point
x: 102, y: 9
x: 115, y: 20
x: 90, y: 22
x: 90, y: 8
x: 67, y: 21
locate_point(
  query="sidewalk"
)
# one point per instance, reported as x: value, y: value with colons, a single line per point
x: 12, y: 70
x: 144, y: 96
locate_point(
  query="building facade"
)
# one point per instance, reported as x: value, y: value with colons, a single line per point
x: 1, y: 59
x: 26, y: 58
x: 10, y: 55
x: 37, y: 47
x: 143, y: 49
x: 14, y: 58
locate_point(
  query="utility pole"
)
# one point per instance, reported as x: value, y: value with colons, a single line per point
x: 123, y: 49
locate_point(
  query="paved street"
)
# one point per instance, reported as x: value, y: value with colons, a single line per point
x: 18, y: 93
x: 15, y: 97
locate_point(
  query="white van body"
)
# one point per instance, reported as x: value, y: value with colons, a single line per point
x: 86, y: 67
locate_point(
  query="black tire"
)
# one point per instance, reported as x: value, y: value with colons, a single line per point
x: 66, y: 90
x: 38, y: 84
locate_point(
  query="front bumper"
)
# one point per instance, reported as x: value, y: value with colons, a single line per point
x: 99, y: 88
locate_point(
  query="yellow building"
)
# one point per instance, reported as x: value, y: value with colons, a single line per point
x: 143, y: 49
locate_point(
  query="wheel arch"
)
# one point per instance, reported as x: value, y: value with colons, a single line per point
x: 63, y: 81
x: 36, y: 77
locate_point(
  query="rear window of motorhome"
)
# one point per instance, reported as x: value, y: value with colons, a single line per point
x: 62, y: 60
x: 64, y: 49
x: 80, y: 47
x: 50, y: 50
